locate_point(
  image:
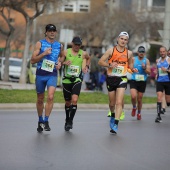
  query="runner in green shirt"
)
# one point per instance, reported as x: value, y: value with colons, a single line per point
x: 76, y: 62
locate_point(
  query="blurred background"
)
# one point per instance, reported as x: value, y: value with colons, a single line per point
x: 97, y: 22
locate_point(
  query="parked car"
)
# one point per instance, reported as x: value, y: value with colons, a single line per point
x: 14, y: 68
x: 31, y: 70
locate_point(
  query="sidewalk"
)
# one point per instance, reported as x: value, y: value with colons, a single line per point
x: 12, y: 85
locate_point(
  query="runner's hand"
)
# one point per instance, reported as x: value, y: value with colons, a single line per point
x: 47, y: 51
x: 67, y: 62
x: 58, y: 65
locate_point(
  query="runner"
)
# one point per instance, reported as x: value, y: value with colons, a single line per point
x: 138, y: 81
x: 46, y: 53
x: 117, y: 59
x: 163, y: 81
x: 75, y: 62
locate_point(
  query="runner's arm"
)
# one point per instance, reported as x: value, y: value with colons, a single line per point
x: 104, y: 58
x: 148, y: 69
x: 36, y: 57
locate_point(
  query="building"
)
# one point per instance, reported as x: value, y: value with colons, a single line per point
x: 89, y: 19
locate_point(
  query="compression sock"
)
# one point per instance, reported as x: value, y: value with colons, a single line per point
x: 41, y: 119
x: 73, y: 111
x: 159, y: 106
x: 116, y: 121
x: 67, y: 111
x: 113, y: 115
x: 46, y: 118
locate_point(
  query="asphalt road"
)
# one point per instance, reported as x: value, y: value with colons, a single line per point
x: 139, y: 145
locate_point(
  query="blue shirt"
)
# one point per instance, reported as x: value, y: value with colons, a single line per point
x: 141, y: 75
x: 50, y: 59
x: 163, y: 76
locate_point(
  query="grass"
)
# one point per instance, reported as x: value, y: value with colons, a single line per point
x: 29, y: 96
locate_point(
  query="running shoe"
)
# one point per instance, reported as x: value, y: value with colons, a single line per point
x: 66, y: 126
x: 122, y: 117
x: 112, y: 122
x: 158, y: 119
x: 109, y: 114
x: 69, y: 125
x: 163, y: 111
x: 46, y: 126
x: 139, y: 116
x: 40, y: 127
x: 114, y: 129
x: 133, y: 113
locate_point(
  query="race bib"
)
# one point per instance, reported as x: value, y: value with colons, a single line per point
x: 139, y: 77
x: 162, y: 73
x: 73, y: 70
x: 48, y: 65
x: 118, y: 71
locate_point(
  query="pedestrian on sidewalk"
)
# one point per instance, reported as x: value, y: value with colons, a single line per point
x: 76, y: 62
x: 45, y: 54
x: 117, y: 59
x: 138, y: 81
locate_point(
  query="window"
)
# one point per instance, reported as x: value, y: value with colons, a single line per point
x: 126, y: 4
x: 76, y: 6
x: 158, y: 3
x: 69, y: 8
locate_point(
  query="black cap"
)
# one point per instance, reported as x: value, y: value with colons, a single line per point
x: 77, y: 40
x: 50, y: 27
x: 141, y: 49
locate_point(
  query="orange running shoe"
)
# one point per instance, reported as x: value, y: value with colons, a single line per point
x: 139, y: 116
x: 133, y: 113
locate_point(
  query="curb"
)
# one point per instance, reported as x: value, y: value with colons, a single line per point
x: 61, y: 106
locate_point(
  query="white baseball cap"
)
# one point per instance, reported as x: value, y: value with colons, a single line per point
x: 124, y: 33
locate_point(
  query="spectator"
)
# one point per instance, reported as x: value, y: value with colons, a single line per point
x: 94, y: 71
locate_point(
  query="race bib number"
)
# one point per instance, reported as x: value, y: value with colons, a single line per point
x: 139, y: 77
x: 73, y: 70
x: 162, y: 73
x: 118, y: 71
x: 48, y: 65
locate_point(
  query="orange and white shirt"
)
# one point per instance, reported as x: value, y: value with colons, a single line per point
x: 122, y: 60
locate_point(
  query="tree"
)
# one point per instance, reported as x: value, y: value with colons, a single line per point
x: 8, y: 30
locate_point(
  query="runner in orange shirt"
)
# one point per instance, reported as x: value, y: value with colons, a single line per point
x: 117, y: 59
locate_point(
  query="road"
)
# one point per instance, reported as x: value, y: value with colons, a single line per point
x: 139, y: 145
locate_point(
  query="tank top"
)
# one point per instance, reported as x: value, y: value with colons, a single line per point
x: 140, y: 75
x: 163, y: 76
x: 75, y: 69
x: 46, y: 66
x: 122, y: 60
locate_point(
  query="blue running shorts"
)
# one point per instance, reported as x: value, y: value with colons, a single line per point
x: 45, y: 81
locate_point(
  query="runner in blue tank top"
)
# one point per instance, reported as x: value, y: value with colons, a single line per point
x: 138, y: 81
x: 46, y: 53
x: 163, y: 81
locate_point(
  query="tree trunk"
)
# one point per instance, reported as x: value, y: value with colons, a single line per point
x: 7, y: 55
x: 23, y: 78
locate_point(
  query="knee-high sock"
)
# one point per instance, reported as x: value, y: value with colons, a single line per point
x: 67, y: 111
x: 159, y: 106
x: 73, y: 111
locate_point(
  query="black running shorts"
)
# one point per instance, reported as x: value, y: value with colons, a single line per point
x: 140, y: 86
x: 113, y: 82
x: 70, y: 89
x: 161, y: 86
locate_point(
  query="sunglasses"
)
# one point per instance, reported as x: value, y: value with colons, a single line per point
x: 51, y: 30
x: 141, y: 51
x: 77, y: 44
